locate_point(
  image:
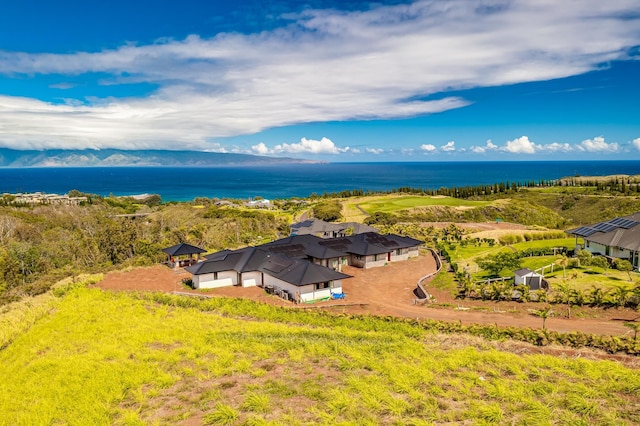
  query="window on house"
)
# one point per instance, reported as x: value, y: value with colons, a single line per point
x: 320, y: 286
x: 398, y: 252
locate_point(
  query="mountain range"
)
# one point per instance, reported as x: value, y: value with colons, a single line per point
x: 117, y: 157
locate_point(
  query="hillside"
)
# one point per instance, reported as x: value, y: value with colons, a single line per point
x: 119, y: 358
x: 118, y: 157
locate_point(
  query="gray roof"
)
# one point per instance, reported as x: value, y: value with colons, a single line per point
x: 294, y: 271
x: 522, y: 272
x: 317, y: 226
x: 368, y: 243
x: 299, y: 272
x: 288, y: 258
x: 622, y: 232
x: 183, y: 249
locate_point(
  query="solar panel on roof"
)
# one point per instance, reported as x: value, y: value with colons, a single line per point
x: 626, y: 223
x: 584, y: 231
x: 604, y: 227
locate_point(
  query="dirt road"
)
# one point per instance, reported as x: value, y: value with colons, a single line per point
x: 388, y: 290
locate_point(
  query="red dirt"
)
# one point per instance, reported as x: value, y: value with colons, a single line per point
x: 388, y: 290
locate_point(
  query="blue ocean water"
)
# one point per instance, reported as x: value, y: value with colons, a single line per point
x: 293, y: 180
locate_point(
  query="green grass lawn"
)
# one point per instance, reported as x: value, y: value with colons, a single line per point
x: 465, y: 256
x: 389, y: 205
x: 116, y: 358
x: 585, y: 278
x: 569, y: 243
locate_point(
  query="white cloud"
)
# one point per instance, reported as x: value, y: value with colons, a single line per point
x: 308, y: 146
x: 261, y: 149
x: 521, y: 145
x: 376, y: 151
x: 234, y: 84
x: 636, y: 143
x: 490, y: 146
x: 557, y: 147
x: 448, y: 147
x: 427, y: 147
x: 598, y: 144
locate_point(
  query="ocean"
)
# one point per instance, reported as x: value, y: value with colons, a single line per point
x: 293, y: 180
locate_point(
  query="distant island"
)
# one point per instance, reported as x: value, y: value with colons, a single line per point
x: 118, y: 157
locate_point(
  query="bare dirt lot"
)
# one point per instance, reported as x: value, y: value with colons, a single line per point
x: 388, y: 290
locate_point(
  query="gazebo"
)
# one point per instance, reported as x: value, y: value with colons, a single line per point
x: 182, y: 255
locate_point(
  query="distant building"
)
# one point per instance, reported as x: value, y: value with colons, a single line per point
x: 615, y: 238
x: 323, y: 229
x: 42, y: 198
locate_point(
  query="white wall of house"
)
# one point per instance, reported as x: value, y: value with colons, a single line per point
x: 376, y: 260
x: 251, y: 279
x: 215, y: 280
x: 307, y: 292
x: 596, y: 248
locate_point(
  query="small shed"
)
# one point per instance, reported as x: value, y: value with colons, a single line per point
x: 182, y: 255
x: 529, y: 278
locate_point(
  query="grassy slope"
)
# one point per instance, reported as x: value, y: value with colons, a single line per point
x: 561, y: 207
x: 104, y: 358
x: 408, y: 202
x: 578, y: 207
x: 390, y: 203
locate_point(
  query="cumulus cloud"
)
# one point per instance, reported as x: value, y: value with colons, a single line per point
x: 489, y: 146
x: 598, y: 144
x: 448, y: 147
x: 636, y: 143
x: 305, y: 146
x: 261, y: 149
x: 427, y: 147
x: 376, y: 151
x: 521, y: 145
x: 557, y: 147
x: 234, y: 84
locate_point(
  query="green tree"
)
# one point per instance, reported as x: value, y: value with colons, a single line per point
x: 624, y: 265
x: 584, y: 257
x: 619, y: 295
x: 635, y: 326
x: 599, y: 262
x: 597, y: 296
x: 544, y: 314
x: 328, y: 211
x: 493, y: 264
x: 564, y: 262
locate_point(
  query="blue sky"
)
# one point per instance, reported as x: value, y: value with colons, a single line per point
x: 431, y: 80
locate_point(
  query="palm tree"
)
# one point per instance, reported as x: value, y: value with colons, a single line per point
x: 564, y: 262
x: 544, y: 314
x: 635, y: 326
x: 563, y: 293
x: 597, y: 295
x: 620, y: 294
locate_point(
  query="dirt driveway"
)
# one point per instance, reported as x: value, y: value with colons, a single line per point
x: 388, y: 290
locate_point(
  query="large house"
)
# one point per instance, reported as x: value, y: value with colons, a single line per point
x: 305, y: 267
x: 615, y: 238
x: 296, y: 279
x: 323, y: 229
